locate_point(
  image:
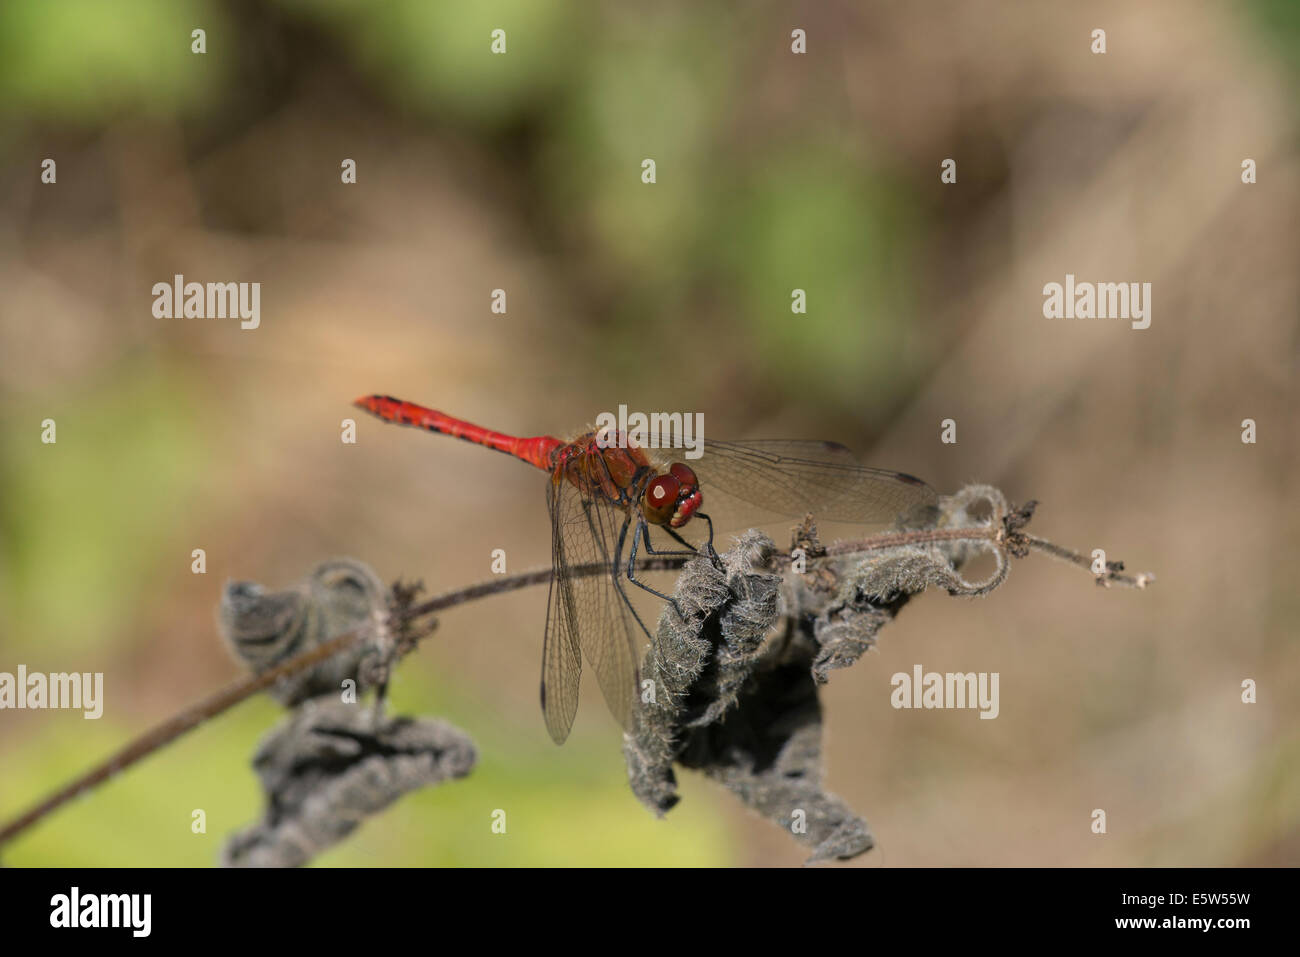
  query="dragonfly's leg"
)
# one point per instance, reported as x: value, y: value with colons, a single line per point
x: 708, y: 546
x: 651, y: 550
x: 618, y: 587
x: 640, y: 533
x: 616, y: 573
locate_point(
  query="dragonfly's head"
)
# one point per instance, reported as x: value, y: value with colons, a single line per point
x: 672, y: 498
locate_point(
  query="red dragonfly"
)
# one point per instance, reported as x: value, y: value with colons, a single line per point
x: 604, y: 495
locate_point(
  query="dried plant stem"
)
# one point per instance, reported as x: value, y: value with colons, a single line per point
x: 539, y: 576
x: 997, y: 533
x: 922, y: 536
x: 1114, y: 570
x: 220, y: 701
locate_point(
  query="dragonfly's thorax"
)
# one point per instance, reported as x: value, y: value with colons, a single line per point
x: 609, y: 466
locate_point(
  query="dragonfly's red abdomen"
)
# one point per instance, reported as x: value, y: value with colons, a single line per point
x: 539, y: 451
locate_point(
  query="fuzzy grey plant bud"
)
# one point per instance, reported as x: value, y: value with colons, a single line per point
x: 264, y: 629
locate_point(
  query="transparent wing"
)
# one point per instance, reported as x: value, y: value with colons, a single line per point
x: 586, y: 617
x: 561, y: 659
x: 795, y: 477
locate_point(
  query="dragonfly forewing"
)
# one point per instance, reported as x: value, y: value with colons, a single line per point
x: 561, y: 657
x: 586, y: 615
x: 792, y: 478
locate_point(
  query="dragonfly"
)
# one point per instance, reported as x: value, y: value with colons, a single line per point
x: 608, y: 491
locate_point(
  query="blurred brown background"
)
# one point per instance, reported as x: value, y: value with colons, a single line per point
x: 775, y: 172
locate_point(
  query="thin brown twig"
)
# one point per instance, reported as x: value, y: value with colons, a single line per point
x: 922, y: 536
x: 1114, y: 573
x: 1114, y: 570
x: 538, y: 576
x: 173, y: 728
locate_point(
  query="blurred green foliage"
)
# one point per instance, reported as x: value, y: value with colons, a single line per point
x: 1279, y: 21
x: 602, y: 92
x: 811, y: 220
x: 118, y: 493
x: 85, y: 61
x: 430, y: 57
x: 605, y: 92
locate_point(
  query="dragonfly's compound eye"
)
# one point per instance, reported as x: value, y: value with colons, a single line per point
x: 660, y: 499
x: 685, y: 475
